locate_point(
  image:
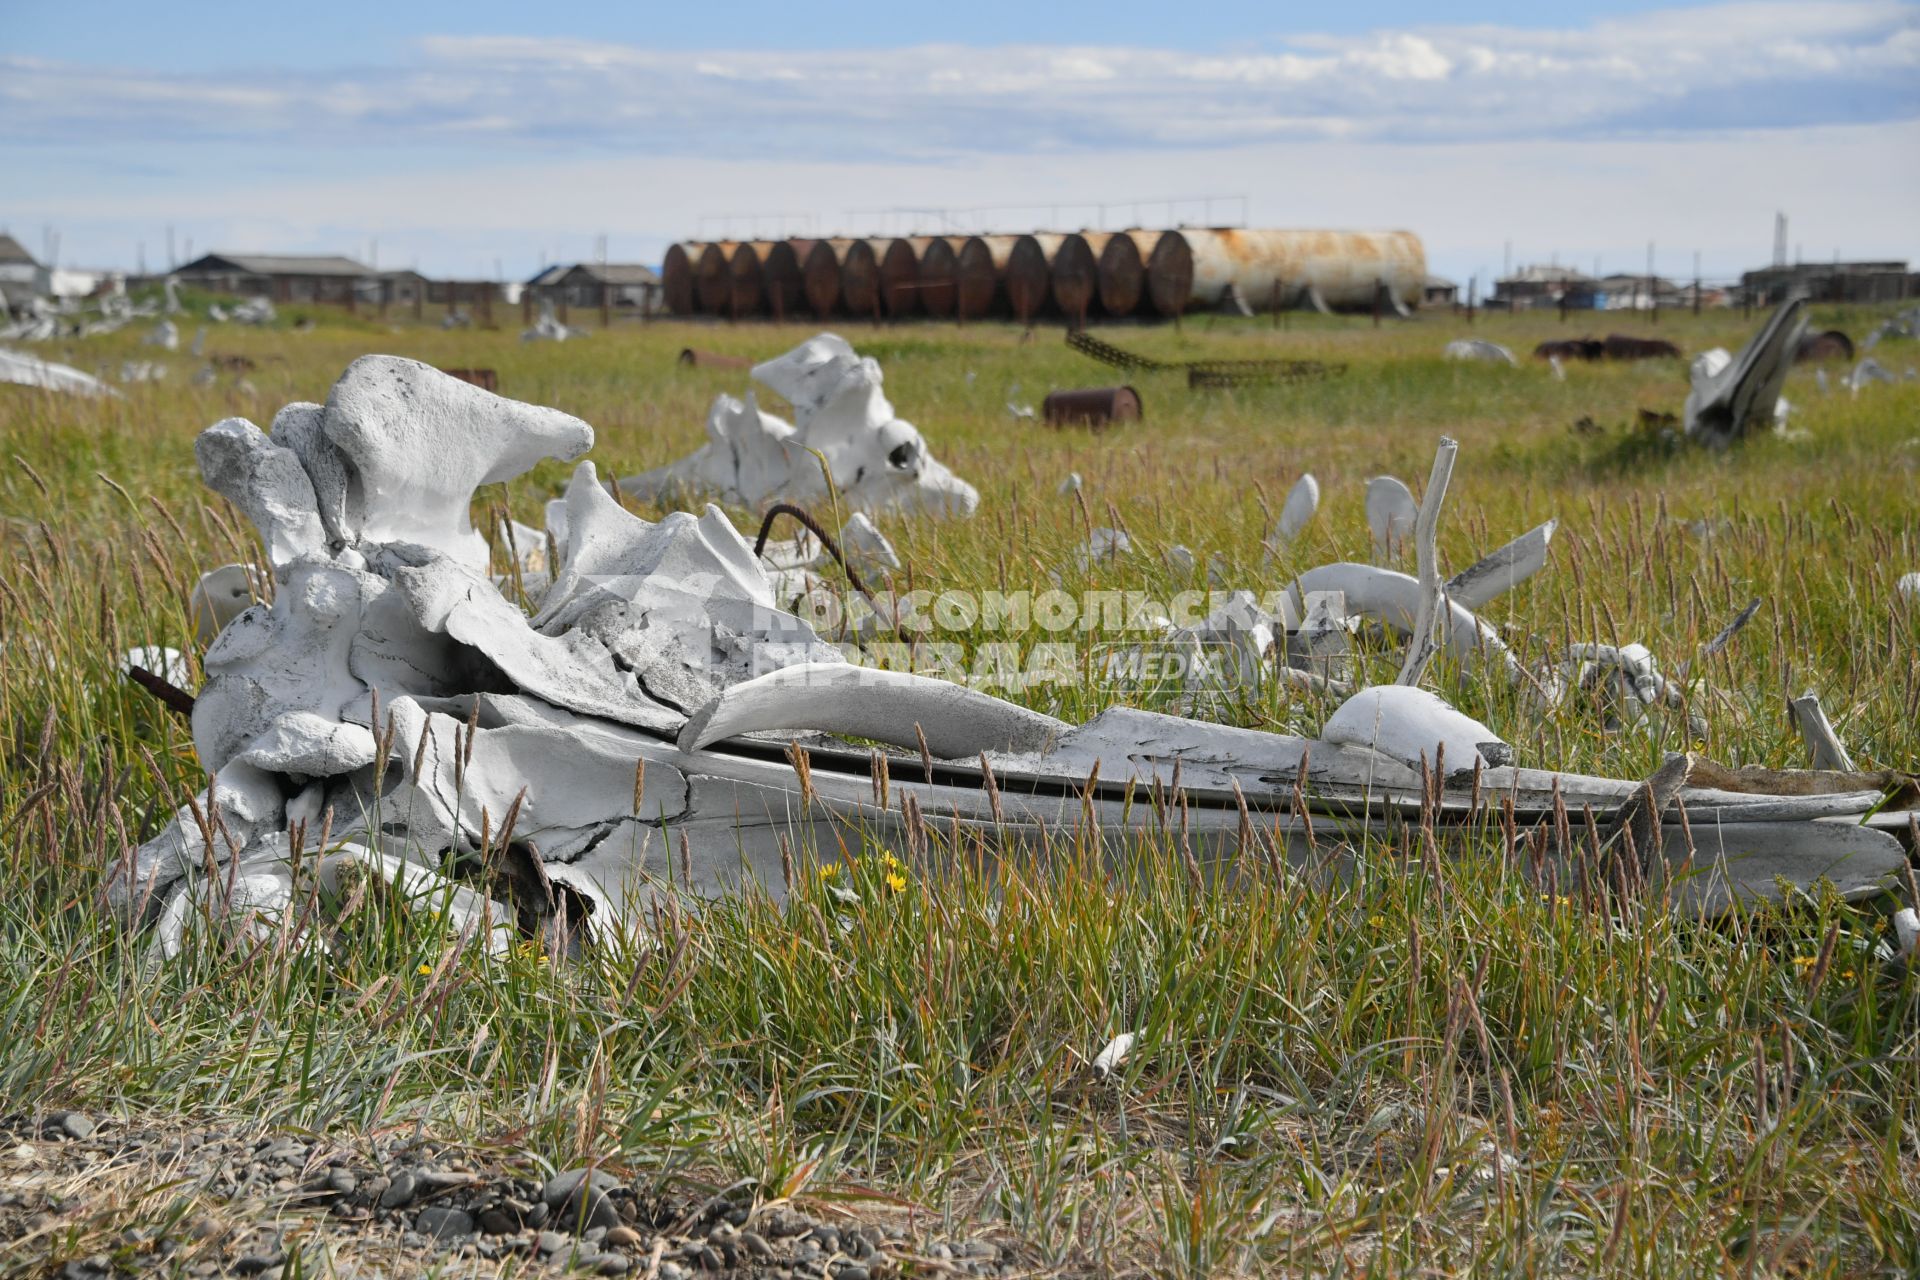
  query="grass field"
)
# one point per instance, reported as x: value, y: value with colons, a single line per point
x: 1399, y: 1075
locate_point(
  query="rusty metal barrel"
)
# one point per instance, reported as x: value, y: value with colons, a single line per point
x: 1123, y: 271
x: 676, y: 276
x: 1029, y: 276
x: 860, y: 280
x: 1091, y: 407
x: 980, y: 275
x: 746, y: 272
x: 937, y: 277
x: 820, y: 275
x: 1076, y: 273
x: 1270, y: 268
x: 781, y: 278
x: 900, y: 275
x: 713, y: 278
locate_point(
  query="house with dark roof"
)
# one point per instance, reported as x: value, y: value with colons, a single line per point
x: 282, y: 277
x: 20, y: 273
x: 626, y: 285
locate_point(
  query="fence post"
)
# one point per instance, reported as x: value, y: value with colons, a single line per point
x: 606, y: 305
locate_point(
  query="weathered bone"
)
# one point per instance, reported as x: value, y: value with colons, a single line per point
x: 1416, y: 728
x: 1478, y: 349
x: 1823, y: 744
x: 1729, y: 397
x: 1500, y: 572
x: 873, y: 460
x: 1391, y: 513
x: 894, y: 707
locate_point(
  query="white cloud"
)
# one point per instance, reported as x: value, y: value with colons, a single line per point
x: 1672, y: 71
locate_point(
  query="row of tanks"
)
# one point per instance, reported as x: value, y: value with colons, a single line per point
x: 1070, y: 275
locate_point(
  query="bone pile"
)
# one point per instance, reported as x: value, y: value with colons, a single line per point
x: 658, y: 724
x: 843, y: 422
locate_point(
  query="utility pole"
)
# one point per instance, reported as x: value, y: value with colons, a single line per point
x: 1653, y: 294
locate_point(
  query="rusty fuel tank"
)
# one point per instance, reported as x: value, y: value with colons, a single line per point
x: 980, y: 272
x: 1029, y: 275
x: 820, y: 275
x: 676, y: 276
x: 747, y: 278
x: 1123, y: 271
x: 1076, y: 273
x: 781, y: 278
x: 937, y: 268
x: 713, y: 278
x: 1343, y: 269
x: 860, y: 278
x: 900, y: 275
x: 1091, y: 407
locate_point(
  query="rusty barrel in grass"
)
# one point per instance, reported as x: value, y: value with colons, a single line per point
x: 1091, y: 407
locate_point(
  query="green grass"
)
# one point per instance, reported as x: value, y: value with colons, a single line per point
x: 1401, y: 1074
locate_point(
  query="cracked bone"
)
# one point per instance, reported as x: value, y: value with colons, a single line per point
x: 1626, y: 684
x: 419, y: 442
x: 1823, y: 744
x: 165, y: 335
x: 895, y: 707
x: 1501, y: 571
x: 391, y: 685
x: 1417, y: 729
x: 874, y: 460
x: 1103, y: 546
x: 1730, y: 395
x: 1391, y: 513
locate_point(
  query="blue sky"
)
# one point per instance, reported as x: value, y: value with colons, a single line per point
x: 455, y: 136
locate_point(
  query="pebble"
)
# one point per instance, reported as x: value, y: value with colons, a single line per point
x: 442, y: 1223
x: 76, y: 1125
x: 612, y: 1264
x: 252, y: 1264
x: 554, y: 1242
x: 399, y: 1191
x: 624, y: 1237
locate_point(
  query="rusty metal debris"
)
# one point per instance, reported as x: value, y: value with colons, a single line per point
x: 1091, y: 407
x: 1204, y: 373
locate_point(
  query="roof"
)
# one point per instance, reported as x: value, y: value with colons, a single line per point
x: 12, y: 250
x: 550, y: 275
x: 281, y: 264
x: 1441, y: 282
x: 618, y: 272
x: 1543, y: 273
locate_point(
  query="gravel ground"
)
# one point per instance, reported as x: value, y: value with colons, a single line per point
x: 85, y: 1198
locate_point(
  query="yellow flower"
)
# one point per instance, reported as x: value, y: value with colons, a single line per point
x: 889, y: 860
x: 425, y: 969
x: 1376, y: 922
x: 829, y: 871
x: 896, y: 882
x: 1805, y: 962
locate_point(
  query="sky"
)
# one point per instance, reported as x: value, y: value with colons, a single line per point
x: 485, y: 138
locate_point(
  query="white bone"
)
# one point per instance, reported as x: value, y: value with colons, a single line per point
x: 1731, y: 393
x: 1478, y: 349
x: 1391, y: 512
x: 864, y: 702
x: 1503, y: 570
x: 1393, y: 598
x: 1415, y: 727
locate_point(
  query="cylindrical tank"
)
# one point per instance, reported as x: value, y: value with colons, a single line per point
x: 979, y: 274
x: 820, y: 275
x: 900, y: 274
x: 860, y: 279
x: 1029, y: 275
x: 781, y: 278
x: 937, y: 268
x: 747, y: 273
x: 1269, y: 268
x: 1076, y: 272
x: 1123, y: 271
x: 1093, y: 407
x: 676, y: 276
x: 713, y: 277
x: 1169, y: 274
